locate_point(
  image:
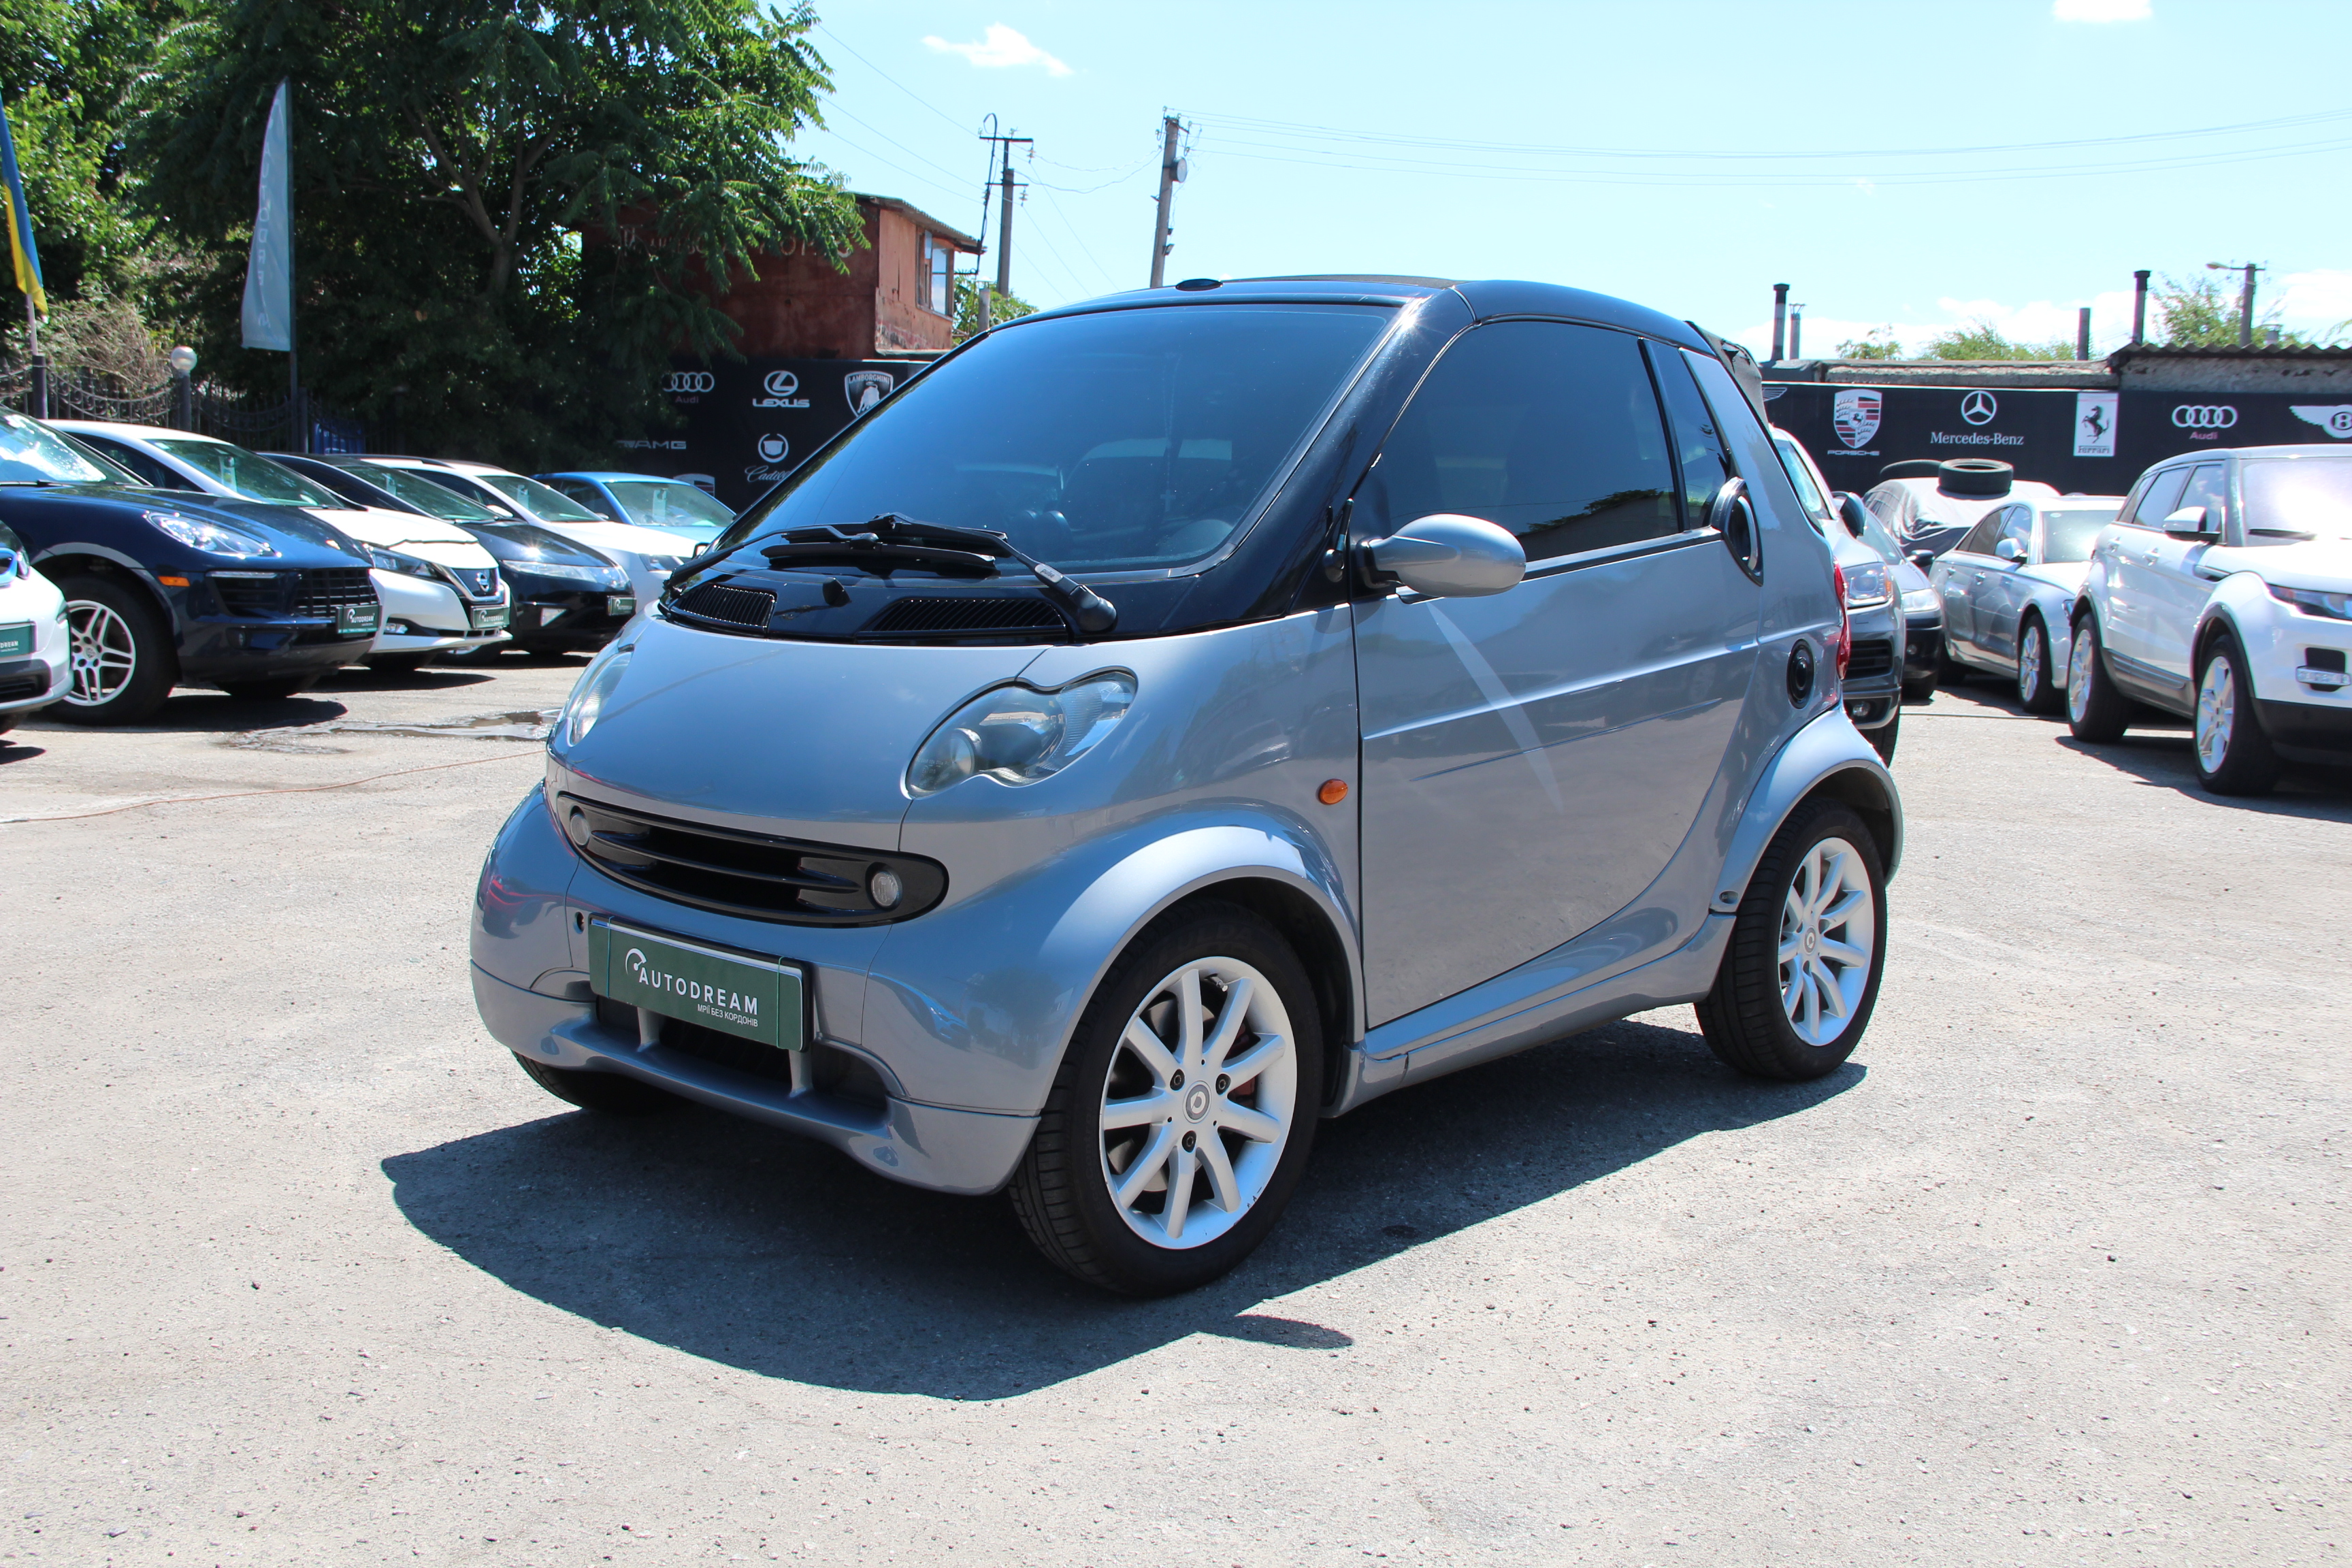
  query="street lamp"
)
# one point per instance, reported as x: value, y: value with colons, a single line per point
x: 182, y: 361
x: 2245, y: 298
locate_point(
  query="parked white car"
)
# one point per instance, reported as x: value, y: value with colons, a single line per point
x: 440, y: 590
x: 34, y: 639
x: 2008, y: 591
x: 2223, y: 595
x: 647, y: 554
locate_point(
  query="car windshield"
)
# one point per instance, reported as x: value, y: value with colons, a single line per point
x: 248, y: 474
x: 2291, y: 495
x: 538, y: 499
x: 31, y: 452
x: 422, y: 493
x: 2068, y: 534
x: 1113, y: 441
x: 679, y: 505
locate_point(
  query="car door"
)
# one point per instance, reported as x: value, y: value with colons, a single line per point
x: 2131, y: 564
x: 2000, y: 594
x: 1958, y: 574
x: 2176, y: 589
x: 1531, y: 761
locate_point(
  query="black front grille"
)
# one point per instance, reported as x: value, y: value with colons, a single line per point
x: 317, y: 593
x: 750, y: 874
x: 921, y: 618
x: 730, y: 607
x: 23, y: 678
x: 1873, y: 656
x: 261, y: 595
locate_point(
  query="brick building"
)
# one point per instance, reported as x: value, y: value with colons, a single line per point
x: 897, y: 298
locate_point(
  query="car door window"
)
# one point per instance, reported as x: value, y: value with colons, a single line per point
x: 1549, y: 429
x: 1702, y: 457
x: 2161, y: 499
x: 141, y: 464
x: 2207, y: 487
x: 2017, y: 523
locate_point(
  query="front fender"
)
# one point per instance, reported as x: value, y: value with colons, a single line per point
x: 131, y: 567
x: 972, y: 1009
x: 1827, y: 756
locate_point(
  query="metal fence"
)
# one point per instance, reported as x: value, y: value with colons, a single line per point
x: 181, y: 404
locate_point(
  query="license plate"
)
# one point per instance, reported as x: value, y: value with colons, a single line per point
x: 757, y: 998
x: 357, y: 618
x: 621, y: 605
x: 487, y: 617
x: 15, y: 642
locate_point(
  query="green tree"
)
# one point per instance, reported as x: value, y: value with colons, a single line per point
x: 1983, y: 341
x: 1876, y: 343
x: 2202, y: 312
x: 509, y: 215
x: 1001, y: 308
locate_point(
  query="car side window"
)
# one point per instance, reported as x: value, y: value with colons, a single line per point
x: 2018, y: 524
x: 1549, y: 429
x: 140, y: 463
x: 581, y: 493
x: 1702, y: 457
x: 2207, y: 487
x: 2160, y: 500
x: 1979, y: 540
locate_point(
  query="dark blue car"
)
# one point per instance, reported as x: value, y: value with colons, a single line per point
x: 175, y: 589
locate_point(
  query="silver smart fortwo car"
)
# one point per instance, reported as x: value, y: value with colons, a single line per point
x: 1175, y: 718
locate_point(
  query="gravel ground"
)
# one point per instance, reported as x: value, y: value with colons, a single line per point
x: 297, y: 1268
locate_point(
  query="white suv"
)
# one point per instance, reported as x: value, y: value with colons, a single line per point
x: 2223, y: 593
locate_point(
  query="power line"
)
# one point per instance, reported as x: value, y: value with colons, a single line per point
x: 886, y: 76
x: 1087, y: 251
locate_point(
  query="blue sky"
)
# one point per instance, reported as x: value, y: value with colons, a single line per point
x: 1569, y: 143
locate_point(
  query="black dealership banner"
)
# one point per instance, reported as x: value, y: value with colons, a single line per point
x: 748, y: 424
x: 2095, y: 443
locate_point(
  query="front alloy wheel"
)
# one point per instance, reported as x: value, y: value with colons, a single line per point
x: 2233, y: 755
x: 1180, y: 1117
x: 119, y: 656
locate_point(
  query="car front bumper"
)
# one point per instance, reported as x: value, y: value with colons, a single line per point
x: 422, y: 616
x: 2308, y: 731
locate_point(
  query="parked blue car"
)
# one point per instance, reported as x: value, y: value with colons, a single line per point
x: 174, y: 588
x: 650, y: 501
x: 1173, y: 719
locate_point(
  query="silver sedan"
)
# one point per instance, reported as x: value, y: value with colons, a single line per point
x: 2008, y: 591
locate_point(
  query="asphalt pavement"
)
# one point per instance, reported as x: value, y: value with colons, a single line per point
x: 296, y: 1267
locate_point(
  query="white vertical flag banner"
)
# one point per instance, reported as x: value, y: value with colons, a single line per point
x: 269, y: 269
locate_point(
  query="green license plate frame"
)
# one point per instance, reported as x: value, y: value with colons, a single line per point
x: 749, y: 995
x: 16, y: 641
x: 354, y: 620
x: 620, y: 603
x: 487, y: 617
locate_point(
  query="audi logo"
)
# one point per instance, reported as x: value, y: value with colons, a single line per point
x: 2204, y: 416
x: 688, y: 381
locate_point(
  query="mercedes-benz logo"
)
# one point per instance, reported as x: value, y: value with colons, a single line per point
x: 1979, y: 408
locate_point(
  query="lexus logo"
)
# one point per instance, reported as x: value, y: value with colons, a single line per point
x: 1979, y: 408
x: 688, y: 381
x: 2204, y: 416
x: 781, y: 383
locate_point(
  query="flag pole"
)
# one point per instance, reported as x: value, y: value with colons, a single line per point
x: 293, y: 368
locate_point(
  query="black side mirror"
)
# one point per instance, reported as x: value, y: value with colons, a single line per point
x: 1923, y: 559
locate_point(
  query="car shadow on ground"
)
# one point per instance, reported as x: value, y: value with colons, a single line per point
x: 2163, y: 758
x: 194, y: 710
x: 763, y: 1251
x: 13, y: 749
x: 430, y: 677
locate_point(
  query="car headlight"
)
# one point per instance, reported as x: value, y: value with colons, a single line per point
x: 212, y: 538
x: 587, y: 704
x: 1017, y: 735
x: 394, y: 561
x: 1921, y: 601
x: 1866, y: 586
x: 594, y: 576
x: 2314, y: 600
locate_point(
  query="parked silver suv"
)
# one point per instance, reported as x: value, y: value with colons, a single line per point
x: 1454, y: 669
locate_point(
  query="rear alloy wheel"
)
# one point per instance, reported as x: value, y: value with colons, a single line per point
x: 2096, y: 710
x: 2034, y: 687
x: 1800, y: 975
x: 119, y: 660
x: 2233, y: 755
x: 1178, y: 1124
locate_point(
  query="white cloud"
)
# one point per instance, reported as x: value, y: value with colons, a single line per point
x: 2313, y: 303
x: 2098, y: 10
x: 1000, y: 47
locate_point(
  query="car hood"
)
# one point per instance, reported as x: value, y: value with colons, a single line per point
x: 2322, y: 563
x: 608, y: 537
x: 805, y: 739
x: 395, y: 529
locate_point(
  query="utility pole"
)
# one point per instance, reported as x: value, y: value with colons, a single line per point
x: 1779, y: 321
x: 1172, y: 175
x: 2245, y: 297
x: 999, y: 146
x: 2139, y: 307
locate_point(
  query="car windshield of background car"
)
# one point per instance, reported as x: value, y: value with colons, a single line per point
x: 2289, y: 498
x: 30, y: 452
x: 538, y: 499
x: 248, y: 474
x: 1116, y: 440
x: 434, y: 499
x: 674, y: 504
x: 1817, y: 505
x: 1874, y: 534
x: 2068, y: 535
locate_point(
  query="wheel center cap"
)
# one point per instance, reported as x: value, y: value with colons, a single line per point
x: 1196, y: 1104
x: 1813, y: 940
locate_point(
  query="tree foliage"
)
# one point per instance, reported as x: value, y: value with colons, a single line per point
x: 2202, y: 312
x: 1983, y: 341
x: 1001, y: 308
x: 501, y: 209
x: 1876, y: 343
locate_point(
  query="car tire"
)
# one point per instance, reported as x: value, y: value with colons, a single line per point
x: 1096, y: 1191
x: 1791, y: 1000
x: 2096, y: 710
x: 1949, y: 672
x: 1881, y: 740
x: 270, y: 691
x: 615, y: 1094
x: 2233, y: 756
x: 122, y: 665
x: 2035, y: 690
x: 399, y: 664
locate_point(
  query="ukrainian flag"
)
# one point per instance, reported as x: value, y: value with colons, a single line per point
x: 20, y: 223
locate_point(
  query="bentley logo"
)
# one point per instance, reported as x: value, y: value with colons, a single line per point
x: 865, y: 388
x: 2336, y: 419
x: 1980, y: 407
x: 1854, y: 415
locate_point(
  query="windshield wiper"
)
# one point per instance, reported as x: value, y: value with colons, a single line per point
x: 890, y: 541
